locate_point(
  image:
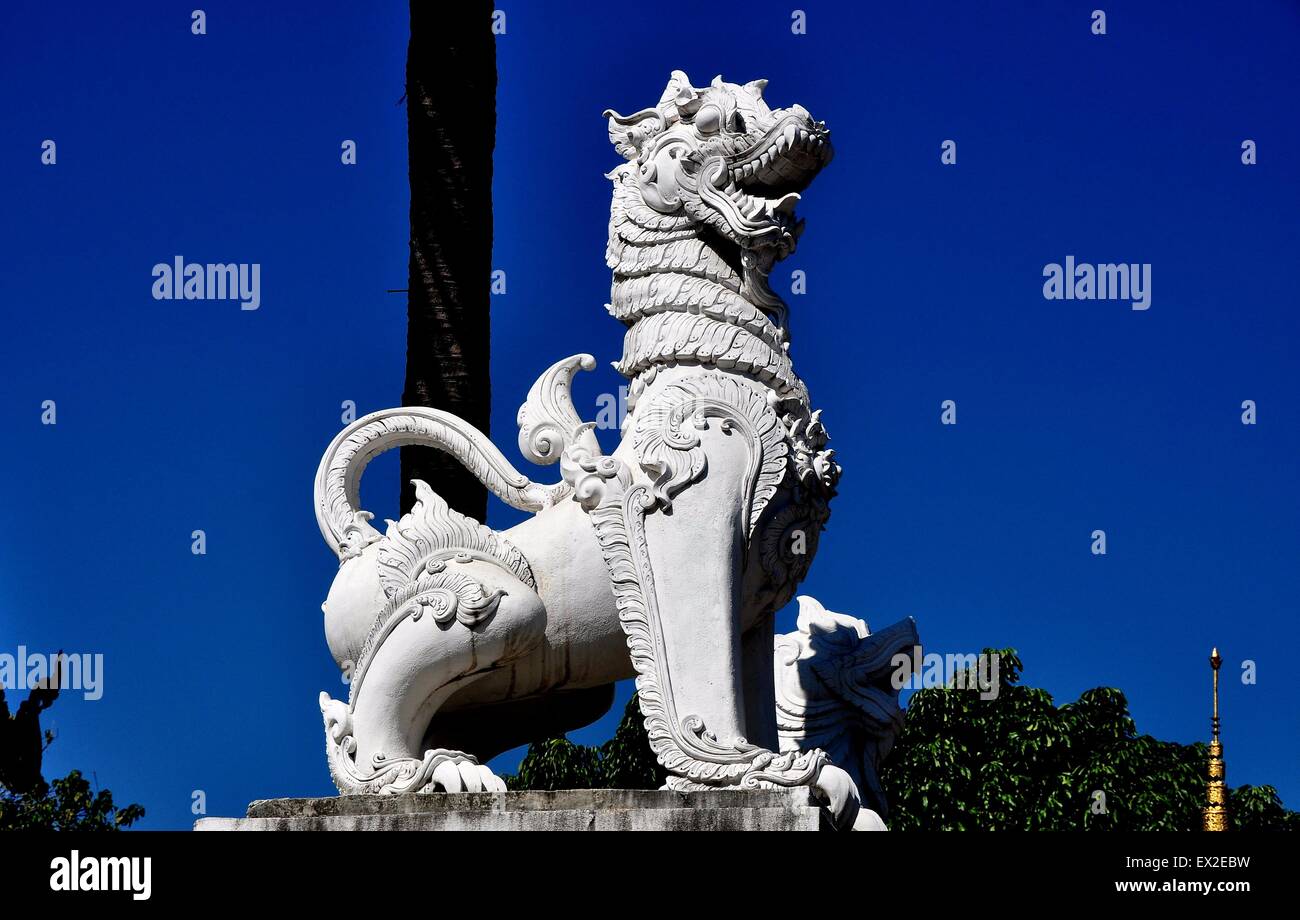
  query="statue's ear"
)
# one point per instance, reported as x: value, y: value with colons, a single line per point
x: 811, y: 612
x: 628, y: 132
x: 680, y: 96
x: 826, y: 626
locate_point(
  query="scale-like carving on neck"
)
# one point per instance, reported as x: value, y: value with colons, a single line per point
x: 689, y: 300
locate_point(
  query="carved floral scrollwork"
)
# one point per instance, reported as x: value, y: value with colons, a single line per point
x: 417, y: 567
x: 666, y: 437
x: 547, y: 420
x: 438, y: 768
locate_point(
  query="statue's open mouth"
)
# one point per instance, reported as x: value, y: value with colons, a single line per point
x: 757, y: 190
x: 786, y: 158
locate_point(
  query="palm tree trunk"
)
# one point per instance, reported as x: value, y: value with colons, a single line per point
x: 451, y: 82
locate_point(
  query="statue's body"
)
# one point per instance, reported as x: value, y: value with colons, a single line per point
x: 680, y: 547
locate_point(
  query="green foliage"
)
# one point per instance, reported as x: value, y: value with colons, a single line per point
x: 66, y: 804
x: 557, y: 763
x: 623, y: 762
x: 626, y: 761
x: 1258, y: 808
x: 1014, y: 762
x: 1019, y: 762
x: 27, y: 801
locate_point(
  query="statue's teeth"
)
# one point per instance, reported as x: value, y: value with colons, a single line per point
x: 790, y: 132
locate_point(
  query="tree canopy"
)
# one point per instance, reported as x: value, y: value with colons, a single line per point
x: 27, y: 801
x: 623, y: 762
x: 1014, y: 762
x: 1020, y: 762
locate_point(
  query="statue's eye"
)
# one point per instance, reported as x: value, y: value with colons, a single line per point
x: 737, y: 123
x: 708, y: 120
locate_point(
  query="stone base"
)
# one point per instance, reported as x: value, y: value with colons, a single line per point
x: 568, y: 810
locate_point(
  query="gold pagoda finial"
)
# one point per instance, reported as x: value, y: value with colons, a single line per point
x: 1215, y: 813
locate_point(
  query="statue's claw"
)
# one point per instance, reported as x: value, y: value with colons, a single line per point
x: 844, y: 803
x: 491, y: 782
x: 469, y: 774
x: 868, y: 820
x: 446, y: 776
x: 840, y: 796
x: 464, y: 776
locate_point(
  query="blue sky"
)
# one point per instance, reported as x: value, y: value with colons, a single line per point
x: 924, y: 284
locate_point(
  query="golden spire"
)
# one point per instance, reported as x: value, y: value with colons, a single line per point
x: 1215, y: 813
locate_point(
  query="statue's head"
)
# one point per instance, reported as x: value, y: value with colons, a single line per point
x: 726, y: 158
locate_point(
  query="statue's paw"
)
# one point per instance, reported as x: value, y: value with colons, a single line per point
x: 840, y: 796
x: 464, y: 775
x: 868, y: 820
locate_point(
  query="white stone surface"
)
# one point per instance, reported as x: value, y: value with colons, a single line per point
x: 666, y: 560
x: 568, y: 810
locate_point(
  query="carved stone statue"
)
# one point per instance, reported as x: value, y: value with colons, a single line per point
x: 678, y: 548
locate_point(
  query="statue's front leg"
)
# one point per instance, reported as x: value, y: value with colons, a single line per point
x: 695, y: 554
x: 674, y: 546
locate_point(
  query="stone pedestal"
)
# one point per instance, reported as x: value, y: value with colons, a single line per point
x: 568, y: 810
